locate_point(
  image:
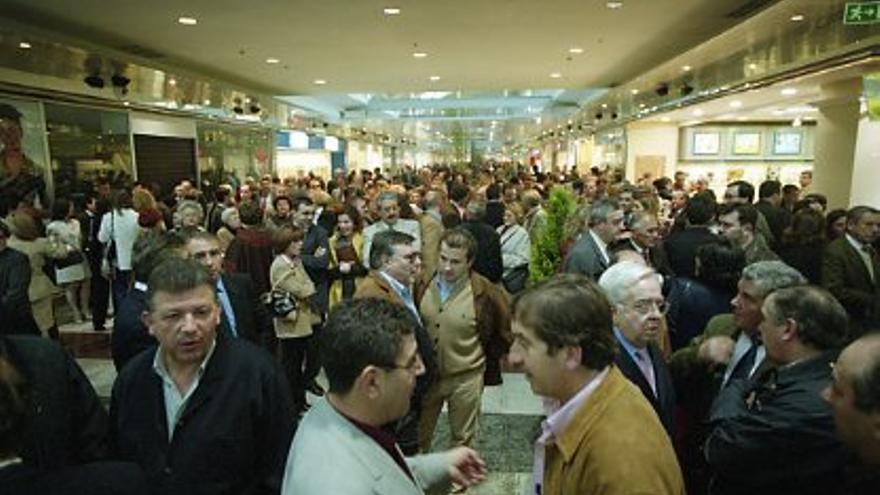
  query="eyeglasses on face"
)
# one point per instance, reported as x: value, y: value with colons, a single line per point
x: 645, y: 306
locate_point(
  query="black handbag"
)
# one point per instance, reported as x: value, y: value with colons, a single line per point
x: 279, y: 302
x: 74, y: 257
x: 516, y: 280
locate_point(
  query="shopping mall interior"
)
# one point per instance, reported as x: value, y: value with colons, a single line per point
x: 220, y: 90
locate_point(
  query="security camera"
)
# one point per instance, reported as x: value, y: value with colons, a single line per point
x: 94, y: 81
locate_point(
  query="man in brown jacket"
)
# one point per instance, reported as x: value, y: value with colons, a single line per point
x: 603, y: 436
x: 467, y: 318
x: 395, y: 264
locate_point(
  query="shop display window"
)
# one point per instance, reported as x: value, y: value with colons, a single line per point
x: 86, y: 144
x: 230, y: 153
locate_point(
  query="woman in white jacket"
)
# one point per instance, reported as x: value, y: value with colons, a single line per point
x: 119, y: 226
x: 515, y: 246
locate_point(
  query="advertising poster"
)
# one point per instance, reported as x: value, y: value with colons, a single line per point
x: 22, y: 155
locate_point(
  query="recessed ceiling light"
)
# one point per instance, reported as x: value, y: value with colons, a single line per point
x: 575, y: 51
x: 634, y: 91
x: 434, y: 78
x: 24, y: 44
x: 172, y: 82
x: 320, y: 81
x: 125, y: 103
x: 614, y: 5
x: 206, y: 102
x: 604, y: 105
x: 272, y: 61
x: 788, y: 92
x: 686, y: 68
x: 742, y: 119
x: 736, y: 104
x: 665, y: 119
x: 555, y: 75
x: 187, y: 21
x: 797, y: 18
x: 697, y: 113
x: 753, y: 66
x: 420, y: 54
x: 391, y: 11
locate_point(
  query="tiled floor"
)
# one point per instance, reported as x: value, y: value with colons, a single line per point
x: 511, y: 414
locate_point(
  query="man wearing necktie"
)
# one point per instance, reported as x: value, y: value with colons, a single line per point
x: 241, y: 314
x: 635, y: 294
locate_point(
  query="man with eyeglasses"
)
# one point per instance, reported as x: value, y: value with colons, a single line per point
x: 343, y: 446
x: 774, y: 434
x: 638, y: 307
x: 589, y: 256
x: 396, y: 263
x: 200, y: 414
x: 241, y: 314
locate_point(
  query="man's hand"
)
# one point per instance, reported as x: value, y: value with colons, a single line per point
x: 345, y: 267
x: 466, y: 467
x: 717, y: 351
x: 320, y: 252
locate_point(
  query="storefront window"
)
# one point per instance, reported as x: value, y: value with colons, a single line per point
x: 86, y: 144
x: 22, y: 155
x: 231, y: 153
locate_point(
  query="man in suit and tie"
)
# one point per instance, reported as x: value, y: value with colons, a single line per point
x: 371, y: 359
x: 241, y: 314
x: 850, y: 269
x: 396, y: 264
x: 589, y: 255
x: 389, y: 213
x: 635, y: 294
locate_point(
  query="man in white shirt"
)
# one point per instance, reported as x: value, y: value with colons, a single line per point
x: 389, y: 213
x: 589, y: 255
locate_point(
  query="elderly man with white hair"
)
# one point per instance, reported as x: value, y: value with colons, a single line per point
x: 638, y: 307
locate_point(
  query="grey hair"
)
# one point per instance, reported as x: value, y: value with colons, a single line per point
x: 772, y: 275
x: 617, y: 280
x: 601, y: 210
x: 189, y: 204
x: 387, y: 196
x: 227, y: 213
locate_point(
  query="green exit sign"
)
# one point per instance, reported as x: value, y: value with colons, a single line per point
x: 862, y: 13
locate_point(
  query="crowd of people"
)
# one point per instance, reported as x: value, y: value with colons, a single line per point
x: 686, y: 343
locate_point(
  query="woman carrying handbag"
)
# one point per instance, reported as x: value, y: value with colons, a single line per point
x: 294, y: 331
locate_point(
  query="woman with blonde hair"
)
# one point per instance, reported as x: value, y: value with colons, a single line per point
x: 294, y: 331
x: 41, y: 291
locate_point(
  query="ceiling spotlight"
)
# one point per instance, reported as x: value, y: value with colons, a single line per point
x: 434, y: 78
x: 172, y: 82
x: 753, y: 66
x: 187, y: 21
x: 665, y: 119
x: 736, y: 104
x: 634, y: 91
x: 94, y: 81
x: 614, y: 116
x: 120, y: 80
x: 686, y: 68
x: 206, y: 102
x: 788, y: 92
x: 320, y: 82
x: 662, y: 89
x: 24, y: 45
x: 604, y: 105
x: 272, y: 61
x: 614, y: 5
x: 575, y: 51
x: 391, y: 11
x: 255, y: 108
x: 797, y: 18
x: 555, y: 75
x: 419, y: 54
